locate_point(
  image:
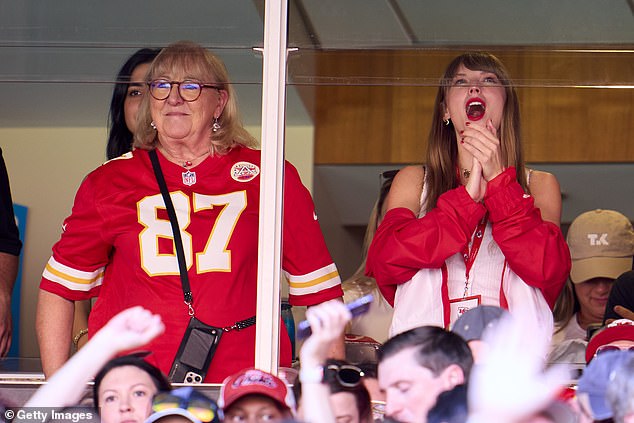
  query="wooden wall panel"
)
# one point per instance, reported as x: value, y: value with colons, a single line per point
x: 375, y: 107
x: 578, y: 125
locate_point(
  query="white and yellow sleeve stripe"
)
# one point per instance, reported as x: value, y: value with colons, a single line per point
x: 313, y: 282
x: 73, y: 279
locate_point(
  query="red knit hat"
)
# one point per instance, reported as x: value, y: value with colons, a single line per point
x: 254, y: 381
x: 618, y: 330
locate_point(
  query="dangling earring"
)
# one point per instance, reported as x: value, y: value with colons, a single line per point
x: 216, y: 125
x: 153, y: 125
x: 447, y: 121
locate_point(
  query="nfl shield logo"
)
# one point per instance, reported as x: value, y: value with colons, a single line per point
x: 189, y: 178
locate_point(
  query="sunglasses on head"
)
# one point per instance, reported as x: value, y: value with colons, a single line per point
x: 605, y: 348
x: 203, y: 410
x: 346, y: 374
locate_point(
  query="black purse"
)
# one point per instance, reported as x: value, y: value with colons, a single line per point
x: 200, y: 340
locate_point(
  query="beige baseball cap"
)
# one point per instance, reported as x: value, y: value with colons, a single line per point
x: 601, y: 244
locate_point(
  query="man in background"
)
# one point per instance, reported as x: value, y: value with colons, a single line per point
x: 417, y: 365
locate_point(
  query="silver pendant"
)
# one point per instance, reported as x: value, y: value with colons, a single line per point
x: 189, y: 178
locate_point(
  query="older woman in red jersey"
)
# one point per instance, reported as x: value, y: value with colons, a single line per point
x: 119, y: 242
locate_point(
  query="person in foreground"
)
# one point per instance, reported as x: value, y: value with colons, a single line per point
x: 472, y: 326
x: 327, y: 323
x: 618, y: 335
x: 255, y: 395
x: 473, y: 225
x: 620, y: 392
x: 131, y: 328
x: 415, y: 366
x: 182, y: 405
x: 118, y: 243
x: 124, y: 387
x: 511, y: 385
x: 598, y: 378
x: 349, y: 399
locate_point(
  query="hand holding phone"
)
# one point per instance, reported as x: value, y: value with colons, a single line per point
x: 356, y: 307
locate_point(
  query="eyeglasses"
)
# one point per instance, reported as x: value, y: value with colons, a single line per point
x: 189, y: 90
x: 347, y: 375
x: 605, y: 348
x: 203, y: 409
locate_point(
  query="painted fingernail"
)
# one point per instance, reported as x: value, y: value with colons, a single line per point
x: 461, y: 132
x: 467, y: 123
x: 461, y: 140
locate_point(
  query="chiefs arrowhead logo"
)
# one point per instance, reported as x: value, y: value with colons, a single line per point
x: 244, y: 171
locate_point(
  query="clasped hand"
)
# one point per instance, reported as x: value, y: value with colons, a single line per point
x: 484, y: 145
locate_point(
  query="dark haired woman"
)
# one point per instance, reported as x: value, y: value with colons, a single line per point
x: 473, y: 226
x: 124, y: 388
x: 128, y: 92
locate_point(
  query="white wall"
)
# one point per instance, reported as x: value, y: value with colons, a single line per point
x: 47, y: 165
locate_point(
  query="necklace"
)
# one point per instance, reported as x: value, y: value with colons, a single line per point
x: 462, y: 173
x: 189, y: 177
x: 184, y: 162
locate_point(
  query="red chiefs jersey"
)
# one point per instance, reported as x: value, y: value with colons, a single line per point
x: 117, y: 245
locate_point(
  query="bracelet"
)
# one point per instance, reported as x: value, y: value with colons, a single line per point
x: 78, y: 336
x: 311, y: 374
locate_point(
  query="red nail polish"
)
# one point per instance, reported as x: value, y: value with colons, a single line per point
x: 461, y: 132
x: 461, y: 140
x: 467, y: 123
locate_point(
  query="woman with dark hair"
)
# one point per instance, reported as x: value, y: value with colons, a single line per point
x: 129, y: 88
x: 349, y: 398
x: 473, y: 226
x: 348, y: 395
x: 124, y: 388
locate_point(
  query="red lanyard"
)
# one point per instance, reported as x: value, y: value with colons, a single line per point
x: 470, y: 256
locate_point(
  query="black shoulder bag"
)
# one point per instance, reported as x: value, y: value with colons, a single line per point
x: 200, y: 340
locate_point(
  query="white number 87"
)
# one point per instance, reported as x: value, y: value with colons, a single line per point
x: 214, y: 258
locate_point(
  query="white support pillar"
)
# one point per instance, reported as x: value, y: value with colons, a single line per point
x: 271, y: 182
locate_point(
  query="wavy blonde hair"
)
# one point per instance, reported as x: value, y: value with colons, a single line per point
x: 442, y: 150
x: 359, y: 282
x: 198, y: 63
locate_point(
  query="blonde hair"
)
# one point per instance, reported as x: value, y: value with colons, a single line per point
x: 442, y: 150
x: 566, y: 306
x: 196, y: 62
x: 359, y: 281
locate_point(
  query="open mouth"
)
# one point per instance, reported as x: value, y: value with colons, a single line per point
x: 475, y: 109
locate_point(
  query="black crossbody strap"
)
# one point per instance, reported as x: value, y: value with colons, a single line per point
x: 178, y: 242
